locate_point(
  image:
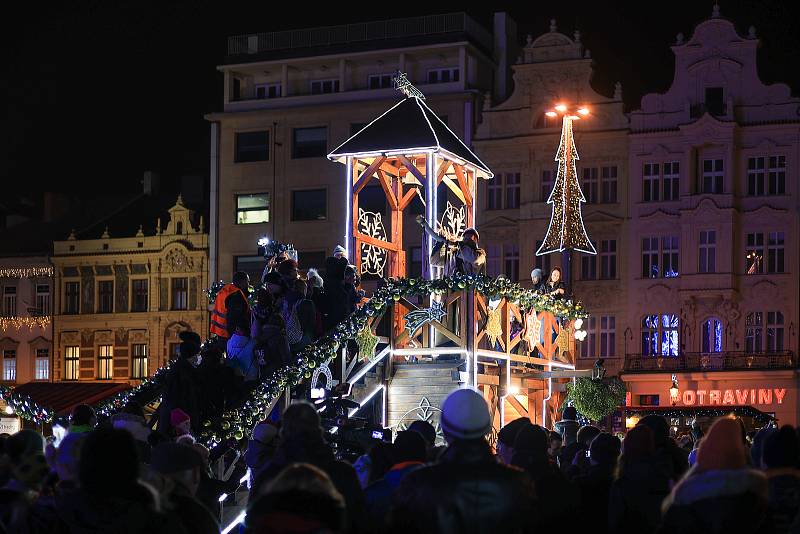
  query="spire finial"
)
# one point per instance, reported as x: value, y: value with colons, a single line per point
x: 715, y: 10
x: 553, y: 27
x: 105, y: 233
x: 404, y: 85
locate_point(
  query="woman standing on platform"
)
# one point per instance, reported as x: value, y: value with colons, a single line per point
x: 555, y: 285
x: 455, y: 255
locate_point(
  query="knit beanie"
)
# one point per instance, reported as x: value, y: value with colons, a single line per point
x: 426, y: 430
x: 508, y: 434
x: 638, y: 443
x: 570, y: 414
x: 465, y: 415
x: 531, y: 438
x: 409, y: 446
x: 178, y: 416
x: 339, y: 249
x: 605, y: 448
x: 781, y: 448
x: 722, y: 447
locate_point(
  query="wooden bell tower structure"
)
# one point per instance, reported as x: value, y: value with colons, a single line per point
x: 411, y: 153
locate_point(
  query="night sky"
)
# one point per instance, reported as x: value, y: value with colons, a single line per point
x: 100, y: 91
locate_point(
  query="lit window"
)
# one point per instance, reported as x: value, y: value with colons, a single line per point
x: 180, y: 293
x: 9, y: 301
x: 72, y: 363
x: 755, y: 253
x: 252, y: 208
x: 105, y: 362
x: 139, y: 361
x: 712, y: 335
x: 10, y: 365
x: 42, y: 364
x: 660, y: 335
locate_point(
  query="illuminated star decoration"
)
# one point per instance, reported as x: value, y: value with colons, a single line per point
x: 366, y: 341
x: 373, y: 258
x: 566, y: 230
x: 562, y: 342
x: 417, y: 318
x: 494, y: 327
x: 533, y: 330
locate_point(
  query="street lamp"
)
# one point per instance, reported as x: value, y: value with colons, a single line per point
x: 566, y: 231
x: 674, y: 391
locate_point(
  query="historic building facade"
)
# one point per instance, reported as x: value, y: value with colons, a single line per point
x: 291, y: 97
x: 121, y: 301
x: 26, y: 330
x: 518, y: 142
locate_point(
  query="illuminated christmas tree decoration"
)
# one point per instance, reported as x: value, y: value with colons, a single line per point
x: 566, y: 230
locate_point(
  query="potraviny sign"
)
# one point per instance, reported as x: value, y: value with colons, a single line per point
x: 753, y: 396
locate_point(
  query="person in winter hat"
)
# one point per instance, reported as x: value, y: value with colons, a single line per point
x: 673, y: 458
x: 506, y: 437
x: 442, y: 497
x: 720, y: 493
x: 338, y: 251
x: 181, y: 422
x: 536, y: 279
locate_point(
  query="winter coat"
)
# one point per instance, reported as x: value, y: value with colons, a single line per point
x: 466, y: 492
x: 238, y: 313
x: 717, y: 502
x: 556, y: 497
x: 784, y: 498
x: 192, y: 515
x: 635, y: 498
x: 220, y: 387
x: 379, y: 494
x: 594, y: 487
x: 293, y: 512
x: 273, y: 347
x: 241, y: 356
x: 313, y: 450
x: 181, y: 390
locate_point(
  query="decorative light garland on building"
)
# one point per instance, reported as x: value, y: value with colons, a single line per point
x: 747, y: 411
x: 566, y: 230
x: 25, y: 407
x: 30, y: 323
x: 26, y: 272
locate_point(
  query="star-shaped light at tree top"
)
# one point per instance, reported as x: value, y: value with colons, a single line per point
x: 566, y: 230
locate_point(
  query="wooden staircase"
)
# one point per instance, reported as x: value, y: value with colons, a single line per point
x: 417, y: 391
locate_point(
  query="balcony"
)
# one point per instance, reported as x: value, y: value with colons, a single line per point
x: 367, y: 32
x: 714, y: 361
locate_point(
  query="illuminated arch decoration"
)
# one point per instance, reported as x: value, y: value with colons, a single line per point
x: 325, y: 371
x: 373, y: 258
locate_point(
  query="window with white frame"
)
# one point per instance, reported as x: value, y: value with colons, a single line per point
x: 445, y: 75
x: 608, y: 336
x: 669, y: 256
x: 105, y: 362
x: 754, y: 253
x: 660, y: 335
x: 608, y: 184
x: 588, y: 347
x: 512, y: 190
x: 671, y: 180
x: 268, y: 90
x: 72, y: 357
x: 380, y: 81
x: 775, y: 331
x: 753, y: 332
x: 42, y: 299
x: 713, y: 177
x: 547, y: 185
x: 591, y: 184
x: 651, y: 186
x: 10, y: 365
x: 708, y: 252
x: 319, y: 87
x: 511, y: 261
x: 775, y: 252
x: 608, y: 259
x: 139, y: 360
x: 589, y: 266
x: 650, y: 253
x: 711, y: 340
x: 42, y: 371
x: 10, y: 301
x: 756, y: 176
x: 777, y: 175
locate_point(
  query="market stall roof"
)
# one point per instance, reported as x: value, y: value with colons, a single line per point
x: 62, y: 397
x: 410, y: 126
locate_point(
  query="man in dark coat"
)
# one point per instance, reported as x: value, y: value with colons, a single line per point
x: 595, y: 483
x: 181, y: 388
x: 468, y: 490
x: 780, y: 455
x: 674, y: 459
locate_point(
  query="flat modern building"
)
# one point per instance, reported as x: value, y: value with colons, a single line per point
x: 123, y: 295
x: 290, y: 97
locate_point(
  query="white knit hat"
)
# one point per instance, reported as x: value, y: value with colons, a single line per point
x: 465, y: 415
x: 339, y: 249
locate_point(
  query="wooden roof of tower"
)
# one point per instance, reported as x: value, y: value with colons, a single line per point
x: 409, y: 126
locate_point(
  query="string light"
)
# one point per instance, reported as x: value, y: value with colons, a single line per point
x: 26, y: 272
x: 746, y: 411
x: 566, y: 230
x: 17, y: 323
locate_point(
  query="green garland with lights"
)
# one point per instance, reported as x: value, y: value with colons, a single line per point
x: 232, y: 425
x: 25, y: 407
x: 596, y: 398
x: 703, y: 411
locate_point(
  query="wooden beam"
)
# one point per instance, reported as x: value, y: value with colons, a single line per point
x: 412, y: 168
x: 463, y: 184
x: 454, y: 188
x: 367, y: 175
x: 407, y: 198
x: 512, y: 400
x: 376, y: 242
x: 442, y: 171
x: 386, y: 184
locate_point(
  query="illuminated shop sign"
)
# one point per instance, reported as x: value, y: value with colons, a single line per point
x: 710, y: 397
